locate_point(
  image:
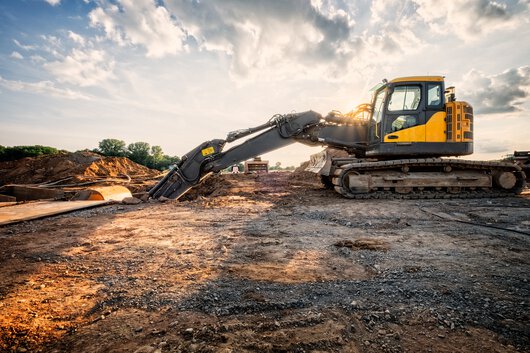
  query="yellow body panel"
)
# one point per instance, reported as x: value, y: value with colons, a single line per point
x: 460, y: 121
x: 418, y: 79
x: 411, y: 134
x: 436, y: 128
x: 432, y: 131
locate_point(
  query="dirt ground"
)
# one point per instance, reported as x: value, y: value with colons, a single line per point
x: 270, y: 264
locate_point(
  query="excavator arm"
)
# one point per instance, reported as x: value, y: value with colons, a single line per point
x: 281, y: 130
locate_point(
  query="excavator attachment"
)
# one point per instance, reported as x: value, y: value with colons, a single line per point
x: 188, y: 172
x: 322, y: 162
x: 318, y: 162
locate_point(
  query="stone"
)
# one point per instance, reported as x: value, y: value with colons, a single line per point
x: 131, y: 201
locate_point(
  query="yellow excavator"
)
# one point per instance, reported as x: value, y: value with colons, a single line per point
x: 396, y: 147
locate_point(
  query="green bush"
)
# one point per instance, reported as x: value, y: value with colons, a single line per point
x: 18, y: 152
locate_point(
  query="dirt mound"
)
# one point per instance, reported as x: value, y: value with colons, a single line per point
x: 214, y: 185
x: 70, y: 167
x: 251, y: 185
x: 301, y: 174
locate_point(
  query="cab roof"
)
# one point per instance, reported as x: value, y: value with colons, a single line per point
x: 418, y: 79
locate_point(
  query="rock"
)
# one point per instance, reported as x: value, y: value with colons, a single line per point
x: 144, y: 197
x: 131, y: 201
x: 163, y: 199
x: 146, y: 349
x: 138, y: 329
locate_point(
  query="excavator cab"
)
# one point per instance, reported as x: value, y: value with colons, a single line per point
x: 411, y: 118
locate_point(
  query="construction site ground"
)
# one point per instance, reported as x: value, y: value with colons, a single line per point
x: 270, y: 263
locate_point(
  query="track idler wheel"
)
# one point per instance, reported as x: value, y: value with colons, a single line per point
x: 505, y: 180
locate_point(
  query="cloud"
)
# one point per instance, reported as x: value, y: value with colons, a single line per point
x: 83, y: 67
x: 53, y: 2
x: 22, y: 46
x: 16, y: 55
x: 493, y: 146
x: 76, y: 38
x: 37, y: 59
x: 139, y: 22
x: 501, y: 93
x: 44, y: 87
x: 273, y: 38
x: 469, y: 19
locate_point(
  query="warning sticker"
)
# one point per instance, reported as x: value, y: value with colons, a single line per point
x: 208, y: 151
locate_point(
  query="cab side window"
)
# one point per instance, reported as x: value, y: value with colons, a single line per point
x: 434, y: 95
x: 404, y: 98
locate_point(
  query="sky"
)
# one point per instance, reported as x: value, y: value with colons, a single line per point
x: 176, y: 73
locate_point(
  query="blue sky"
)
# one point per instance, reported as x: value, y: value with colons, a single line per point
x: 176, y: 73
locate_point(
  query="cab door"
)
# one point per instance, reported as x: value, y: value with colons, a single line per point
x: 435, y: 122
x: 404, y: 119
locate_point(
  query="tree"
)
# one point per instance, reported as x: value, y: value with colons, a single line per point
x: 113, y: 147
x: 139, y: 152
x: 157, y: 156
x: 168, y: 161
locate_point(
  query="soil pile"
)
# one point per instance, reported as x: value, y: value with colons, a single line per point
x: 301, y: 174
x: 70, y: 168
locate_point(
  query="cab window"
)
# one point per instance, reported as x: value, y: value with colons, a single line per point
x: 404, y: 98
x: 434, y: 95
x: 377, y: 115
x: 378, y: 106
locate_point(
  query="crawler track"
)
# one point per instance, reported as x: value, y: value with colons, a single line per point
x: 404, y: 168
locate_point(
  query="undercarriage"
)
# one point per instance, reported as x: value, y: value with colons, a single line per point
x: 424, y: 178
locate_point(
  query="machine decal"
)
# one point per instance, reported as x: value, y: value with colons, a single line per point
x: 208, y: 151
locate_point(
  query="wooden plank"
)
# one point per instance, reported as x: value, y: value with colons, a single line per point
x: 27, y: 193
x: 34, y: 210
x: 8, y: 203
x: 7, y: 198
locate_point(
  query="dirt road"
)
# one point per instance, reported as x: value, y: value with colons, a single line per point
x: 268, y: 264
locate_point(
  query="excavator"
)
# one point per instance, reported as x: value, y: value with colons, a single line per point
x: 401, y: 145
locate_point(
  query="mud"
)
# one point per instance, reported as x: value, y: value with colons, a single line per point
x: 270, y: 264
